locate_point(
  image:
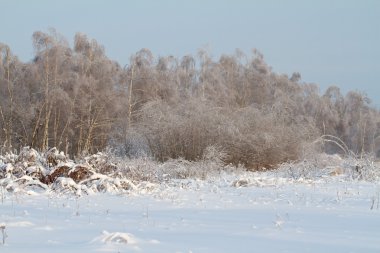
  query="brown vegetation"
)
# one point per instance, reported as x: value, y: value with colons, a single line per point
x: 80, y: 101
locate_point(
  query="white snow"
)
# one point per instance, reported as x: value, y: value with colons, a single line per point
x: 230, y: 212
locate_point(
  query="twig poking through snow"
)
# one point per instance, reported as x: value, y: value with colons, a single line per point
x: 2, y: 228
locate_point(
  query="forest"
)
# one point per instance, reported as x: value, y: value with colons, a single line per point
x: 80, y: 101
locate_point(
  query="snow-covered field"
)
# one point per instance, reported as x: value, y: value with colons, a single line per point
x: 229, y: 212
x: 50, y: 203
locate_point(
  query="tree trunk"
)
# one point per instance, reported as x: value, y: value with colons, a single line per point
x: 45, y: 137
x: 130, y: 99
x: 36, y: 128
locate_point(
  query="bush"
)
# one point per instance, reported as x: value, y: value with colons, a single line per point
x: 248, y: 136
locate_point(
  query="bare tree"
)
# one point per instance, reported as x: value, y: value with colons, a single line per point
x: 9, y: 67
x: 79, y: 100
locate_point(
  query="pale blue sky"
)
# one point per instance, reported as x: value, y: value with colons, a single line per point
x: 327, y: 41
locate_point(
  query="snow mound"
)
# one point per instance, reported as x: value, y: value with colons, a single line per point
x: 116, y: 237
x: 20, y: 224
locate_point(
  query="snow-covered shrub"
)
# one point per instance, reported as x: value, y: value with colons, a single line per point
x: 80, y: 172
x: 58, y: 171
x: 105, y: 172
x: 8, y: 158
x: 140, y: 169
x: 102, y: 162
x: 53, y: 157
x: 27, y: 182
x: 28, y: 162
x: 29, y: 156
x: 255, y: 138
x: 103, y: 183
x: 326, y: 166
x: 363, y: 168
x: 135, y: 145
x: 6, y: 170
x: 66, y: 185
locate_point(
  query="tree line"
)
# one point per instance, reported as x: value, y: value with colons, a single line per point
x: 80, y: 101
